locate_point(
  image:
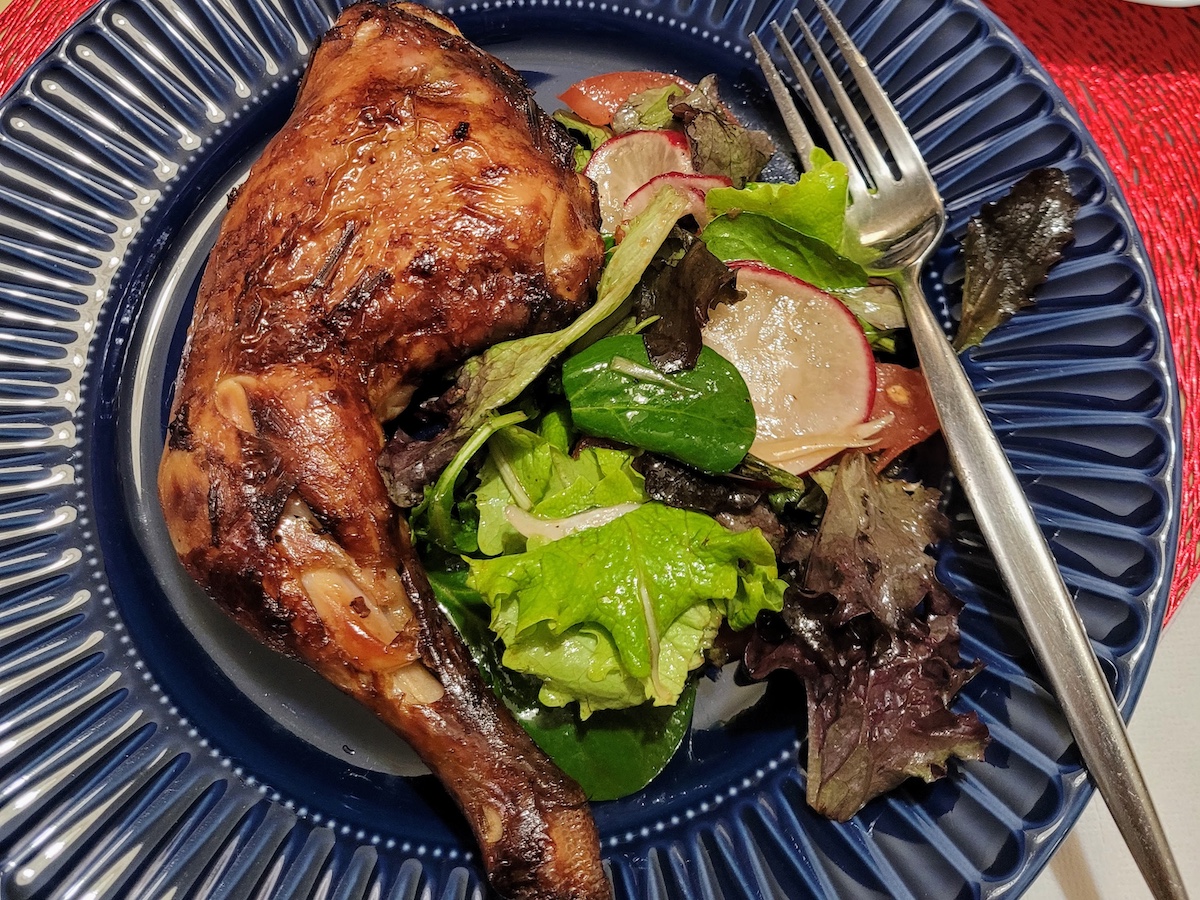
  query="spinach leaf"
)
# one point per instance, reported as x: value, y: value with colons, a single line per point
x: 703, y: 416
x: 616, y: 752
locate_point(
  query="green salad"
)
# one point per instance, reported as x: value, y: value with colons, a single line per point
x: 611, y: 511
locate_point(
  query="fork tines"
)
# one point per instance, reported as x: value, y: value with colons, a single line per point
x: 895, y: 134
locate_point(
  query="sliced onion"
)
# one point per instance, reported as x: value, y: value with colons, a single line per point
x: 801, y: 453
x: 529, y: 525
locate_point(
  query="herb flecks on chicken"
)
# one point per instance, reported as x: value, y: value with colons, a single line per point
x: 416, y: 208
x: 875, y: 638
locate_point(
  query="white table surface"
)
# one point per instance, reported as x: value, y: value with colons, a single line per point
x: 1093, y: 862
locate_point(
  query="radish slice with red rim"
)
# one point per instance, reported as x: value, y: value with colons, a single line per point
x: 624, y: 163
x: 693, y: 185
x: 806, y: 361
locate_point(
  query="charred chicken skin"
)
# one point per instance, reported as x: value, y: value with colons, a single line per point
x: 416, y: 207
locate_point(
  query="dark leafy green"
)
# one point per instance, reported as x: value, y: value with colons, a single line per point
x: 871, y: 549
x: 703, y: 416
x: 870, y: 628
x: 683, y: 487
x: 613, y: 754
x: 678, y: 292
x: 861, y: 741
x: 1009, y: 248
x: 410, y: 465
x: 720, y: 144
x: 616, y: 752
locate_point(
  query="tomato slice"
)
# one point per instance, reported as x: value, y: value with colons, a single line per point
x: 596, y: 99
x: 904, y: 393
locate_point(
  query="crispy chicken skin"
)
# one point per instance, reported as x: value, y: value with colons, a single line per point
x: 415, y: 208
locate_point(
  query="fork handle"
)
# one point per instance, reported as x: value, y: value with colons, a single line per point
x: 1056, y: 631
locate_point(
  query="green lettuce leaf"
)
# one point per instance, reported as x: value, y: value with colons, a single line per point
x: 753, y: 236
x: 590, y: 136
x: 537, y: 475
x: 614, y: 615
x: 613, y: 754
x: 647, y: 109
x: 814, y: 205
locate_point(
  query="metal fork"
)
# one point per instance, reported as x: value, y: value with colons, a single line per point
x: 901, y: 218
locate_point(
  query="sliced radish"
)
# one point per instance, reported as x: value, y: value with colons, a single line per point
x: 692, y: 185
x: 622, y: 164
x: 807, y: 364
x: 804, y: 452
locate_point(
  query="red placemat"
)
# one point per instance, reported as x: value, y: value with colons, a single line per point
x: 28, y: 27
x: 1133, y: 74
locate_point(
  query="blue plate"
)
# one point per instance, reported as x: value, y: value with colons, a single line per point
x: 150, y: 749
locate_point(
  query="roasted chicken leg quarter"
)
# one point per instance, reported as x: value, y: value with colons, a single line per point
x: 416, y: 207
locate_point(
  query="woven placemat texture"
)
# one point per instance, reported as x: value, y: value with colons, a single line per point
x: 1133, y: 74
